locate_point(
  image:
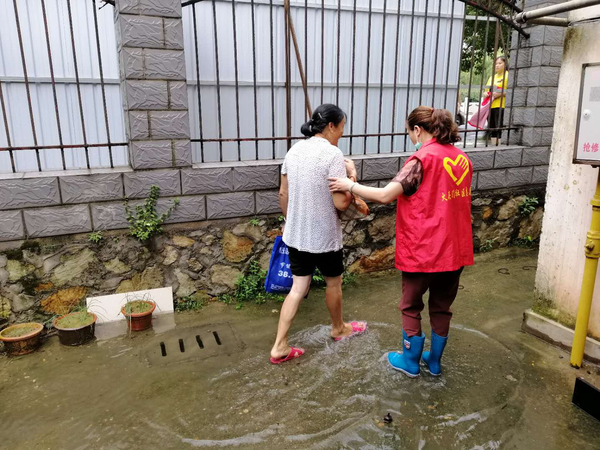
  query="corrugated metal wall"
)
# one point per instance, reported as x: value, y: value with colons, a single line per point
x: 315, y: 33
x: 36, y: 59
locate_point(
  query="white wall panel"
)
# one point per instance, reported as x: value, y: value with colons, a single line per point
x: 315, y: 32
x: 11, y: 74
x: 38, y: 71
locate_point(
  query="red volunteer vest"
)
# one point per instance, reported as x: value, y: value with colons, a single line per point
x: 433, y: 226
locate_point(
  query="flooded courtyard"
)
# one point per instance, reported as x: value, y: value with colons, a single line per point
x: 207, y: 382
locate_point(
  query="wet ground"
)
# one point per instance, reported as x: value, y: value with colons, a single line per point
x: 501, y: 388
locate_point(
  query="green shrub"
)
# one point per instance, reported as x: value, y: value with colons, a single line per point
x: 319, y: 280
x: 188, y: 303
x: 487, y: 245
x: 146, y: 222
x: 525, y: 242
x: 95, y: 237
x: 528, y: 206
x: 250, y: 288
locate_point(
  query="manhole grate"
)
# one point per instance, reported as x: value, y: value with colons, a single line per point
x: 193, y: 343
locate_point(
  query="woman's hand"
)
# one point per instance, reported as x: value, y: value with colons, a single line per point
x: 340, y: 184
x: 496, y: 95
x: 350, y: 168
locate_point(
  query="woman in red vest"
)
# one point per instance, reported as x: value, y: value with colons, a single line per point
x: 433, y: 232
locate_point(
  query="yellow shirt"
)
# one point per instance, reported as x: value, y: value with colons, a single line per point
x: 501, y: 84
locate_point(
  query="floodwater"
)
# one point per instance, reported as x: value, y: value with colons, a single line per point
x: 501, y: 388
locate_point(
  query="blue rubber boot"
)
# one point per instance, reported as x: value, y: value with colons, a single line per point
x: 407, y: 362
x: 433, y: 358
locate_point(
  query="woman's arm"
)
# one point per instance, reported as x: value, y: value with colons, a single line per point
x: 341, y: 200
x: 283, y: 195
x: 379, y: 195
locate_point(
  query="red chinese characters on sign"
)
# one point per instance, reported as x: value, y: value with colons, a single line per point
x: 591, y: 147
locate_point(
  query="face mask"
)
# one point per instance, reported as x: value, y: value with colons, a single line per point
x: 418, y: 146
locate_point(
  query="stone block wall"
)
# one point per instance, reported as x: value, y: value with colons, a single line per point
x: 42, y: 276
x: 535, y: 69
x: 153, y: 83
x: 52, y: 204
x: 46, y: 258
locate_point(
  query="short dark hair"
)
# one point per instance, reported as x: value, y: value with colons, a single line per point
x: 322, y: 116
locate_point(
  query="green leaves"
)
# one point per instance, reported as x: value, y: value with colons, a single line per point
x: 528, y: 206
x: 250, y: 288
x: 145, y: 223
x: 95, y: 237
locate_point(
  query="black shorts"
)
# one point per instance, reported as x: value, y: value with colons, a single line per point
x: 303, y: 264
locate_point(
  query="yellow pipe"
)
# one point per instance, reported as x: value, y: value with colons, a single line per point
x: 592, y: 253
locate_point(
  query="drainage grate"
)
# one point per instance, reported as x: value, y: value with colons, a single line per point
x: 193, y: 343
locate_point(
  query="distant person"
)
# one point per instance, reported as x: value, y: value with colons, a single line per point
x: 313, y: 230
x: 497, y: 89
x: 433, y: 232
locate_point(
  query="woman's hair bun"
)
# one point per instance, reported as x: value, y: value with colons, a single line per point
x: 308, y: 129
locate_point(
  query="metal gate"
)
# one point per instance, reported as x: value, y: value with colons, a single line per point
x: 256, y: 67
x: 60, y: 95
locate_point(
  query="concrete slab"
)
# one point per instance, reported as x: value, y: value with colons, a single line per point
x: 557, y: 334
x: 108, y: 307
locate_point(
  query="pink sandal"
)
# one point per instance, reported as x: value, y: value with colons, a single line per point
x: 357, y: 328
x: 295, y: 352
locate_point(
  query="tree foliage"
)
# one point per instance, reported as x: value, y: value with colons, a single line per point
x: 475, y: 46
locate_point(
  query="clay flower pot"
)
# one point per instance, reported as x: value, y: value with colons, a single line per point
x: 72, y: 333
x: 21, y: 338
x: 138, y: 321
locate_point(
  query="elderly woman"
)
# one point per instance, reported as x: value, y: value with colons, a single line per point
x: 313, y: 231
x: 433, y: 232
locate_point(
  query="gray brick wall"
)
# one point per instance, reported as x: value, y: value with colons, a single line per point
x: 11, y: 226
x: 91, y: 188
x: 153, y: 81
x: 137, y: 184
x: 236, y: 204
x: 41, y: 205
x: 379, y: 167
x: 23, y: 193
x: 535, y: 82
x: 42, y: 222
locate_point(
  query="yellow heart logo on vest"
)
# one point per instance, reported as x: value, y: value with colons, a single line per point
x: 461, y: 162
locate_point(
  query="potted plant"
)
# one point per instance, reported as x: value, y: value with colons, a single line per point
x: 21, y: 338
x: 138, y: 311
x: 76, y: 328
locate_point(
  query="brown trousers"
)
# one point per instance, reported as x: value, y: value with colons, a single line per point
x: 442, y: 286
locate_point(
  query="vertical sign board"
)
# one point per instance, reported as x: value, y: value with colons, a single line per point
x: 587, y: 138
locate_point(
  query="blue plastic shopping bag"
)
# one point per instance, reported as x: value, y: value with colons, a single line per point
x: 279, y: 278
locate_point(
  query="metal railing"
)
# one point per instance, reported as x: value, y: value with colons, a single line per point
x: 255, y: 69
x: 81, y: 144
x: 424, y: 36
